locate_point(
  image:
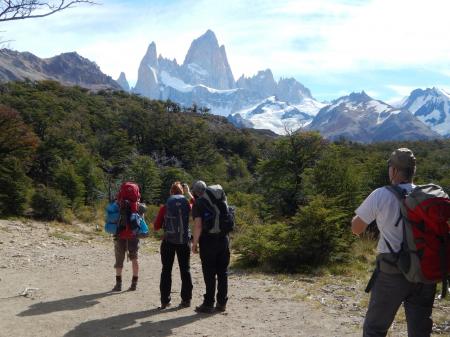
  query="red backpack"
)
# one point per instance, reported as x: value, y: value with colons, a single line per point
x: 128, y: 200
x: 129, y: 192
x: 424, y: 256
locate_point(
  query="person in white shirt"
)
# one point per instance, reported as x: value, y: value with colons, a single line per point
x: 389, y: 288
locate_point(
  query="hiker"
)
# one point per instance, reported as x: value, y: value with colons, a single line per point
x: 126, y: 240
x: 173, y: 217
x: 390, y: 287
x: 214, y: 244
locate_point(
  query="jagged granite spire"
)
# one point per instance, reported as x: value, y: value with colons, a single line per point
x: 147, y: 83
x: 122, y: 80
x: 206, y: 63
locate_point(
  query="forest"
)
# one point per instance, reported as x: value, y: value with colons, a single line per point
x: 65, y: 150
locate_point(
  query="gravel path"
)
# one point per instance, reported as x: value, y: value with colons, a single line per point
x: 56, y: 283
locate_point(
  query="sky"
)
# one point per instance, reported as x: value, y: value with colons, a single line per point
x: 384, y: 47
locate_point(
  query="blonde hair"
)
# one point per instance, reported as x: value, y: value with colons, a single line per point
x: 176, y: 188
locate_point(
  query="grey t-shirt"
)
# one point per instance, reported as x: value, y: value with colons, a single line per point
x: 383, y: 206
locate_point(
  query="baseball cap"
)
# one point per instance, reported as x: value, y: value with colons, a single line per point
x: 198, y: 187
x: 402, y: 158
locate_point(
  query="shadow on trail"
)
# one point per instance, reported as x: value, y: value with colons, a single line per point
x: 127, y: 325
x: 66, y: 304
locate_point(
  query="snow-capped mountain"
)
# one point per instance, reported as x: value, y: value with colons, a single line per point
x: 277, y: 116
x: 361, y: 118
x: 206, y: 79
x: 431, y: 106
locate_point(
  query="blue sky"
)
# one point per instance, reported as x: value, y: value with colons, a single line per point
x: 334, y: 47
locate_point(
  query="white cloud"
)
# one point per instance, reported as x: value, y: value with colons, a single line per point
x: 316, y: 38
x: 401, y: 90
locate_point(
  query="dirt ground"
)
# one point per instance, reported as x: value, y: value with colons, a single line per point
x: 55, y: 281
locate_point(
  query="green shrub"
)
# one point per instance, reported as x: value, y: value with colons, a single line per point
x: 14, y: 187
x: 48, y: 204
x: 313, y: 237
x: 70, y: 183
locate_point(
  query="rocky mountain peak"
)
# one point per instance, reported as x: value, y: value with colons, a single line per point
x: 359, y: 97
x: 206, y: 63
x: 150, y: 57
x: 290, y: 90
x: 122, y: 80
x: 147, y: 83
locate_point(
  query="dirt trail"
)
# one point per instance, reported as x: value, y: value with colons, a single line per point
x: 69, y: 274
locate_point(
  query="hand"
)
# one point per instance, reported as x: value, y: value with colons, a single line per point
x: 195, y: 248
x: 185, y: 189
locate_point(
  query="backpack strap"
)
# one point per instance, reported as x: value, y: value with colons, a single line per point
x: 444, y: 266
x: 373, y: 278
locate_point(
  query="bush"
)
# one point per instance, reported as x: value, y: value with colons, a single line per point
x: 14, y: 187
x: 48, y: 204
x: 313, y: 237
x: 70, y: 183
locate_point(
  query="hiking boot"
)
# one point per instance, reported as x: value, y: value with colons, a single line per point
x: 221, y: 307
x: 117, y: 287
x: 207, y: 309
x: 165, y: 305
x: 133, y: 286
x: 185, y: 304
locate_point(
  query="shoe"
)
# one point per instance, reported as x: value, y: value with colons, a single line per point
x: 132, y: 287
x: 221, y: 307
x: 117, y: 287
x: 165, y: 305
x: 205, y: 309
x: 185, y: 304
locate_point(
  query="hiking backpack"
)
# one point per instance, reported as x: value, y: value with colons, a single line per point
x: 112, y: 217
x: 128, y: 201
x: 219, y: 218
x: 424, y: 256
x: 176, y: 220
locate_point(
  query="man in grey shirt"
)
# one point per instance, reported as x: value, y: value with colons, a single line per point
x: 390, y: 288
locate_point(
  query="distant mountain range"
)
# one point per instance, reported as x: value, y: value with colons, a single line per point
x: 67, y: 68
x: 206, y: 79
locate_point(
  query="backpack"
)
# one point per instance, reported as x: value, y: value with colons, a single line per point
x: 424, y: 256
x: 112, y: 217
x: 219, y: 218
x: 176, y: 220
x: 128, y: 201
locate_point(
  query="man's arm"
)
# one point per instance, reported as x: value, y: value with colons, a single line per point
x: 358, y: 225
x: 197, y: 229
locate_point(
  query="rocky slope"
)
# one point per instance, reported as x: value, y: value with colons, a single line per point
x: 67, y: 68
x: 360, y: 118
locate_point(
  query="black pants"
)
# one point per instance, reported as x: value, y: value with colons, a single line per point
x: 215, y: 257
x: 183, y: 252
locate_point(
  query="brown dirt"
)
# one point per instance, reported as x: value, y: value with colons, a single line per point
x: 55, y: 281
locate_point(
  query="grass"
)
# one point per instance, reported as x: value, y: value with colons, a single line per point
x: 62, y: 236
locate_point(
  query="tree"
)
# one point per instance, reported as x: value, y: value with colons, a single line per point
x: 16, y: 138
x: 28, y: 9
x: 281, y: 173
x: 145, y: 173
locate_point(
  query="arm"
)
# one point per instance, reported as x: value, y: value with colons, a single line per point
x: 358, y: 225
x: 366, y: 212
x: 159, y: 218
x: 197, y: 229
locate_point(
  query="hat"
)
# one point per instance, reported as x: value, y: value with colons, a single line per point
x: 199, y: 187
x: 402, y: 158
